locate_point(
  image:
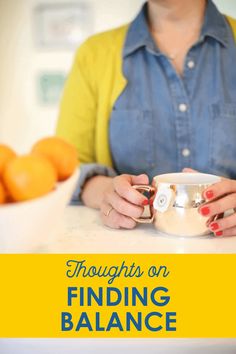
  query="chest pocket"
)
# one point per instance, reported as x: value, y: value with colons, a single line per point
x: 132, y: 140
x: 223, y: 139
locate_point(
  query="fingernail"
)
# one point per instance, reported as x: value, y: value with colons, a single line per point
x: 145, y: 202
x: 205, y: 211
x: 214, y: 226
x: 219, y: 233
x: 209, y: 194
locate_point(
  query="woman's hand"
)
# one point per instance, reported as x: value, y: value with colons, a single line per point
x: 220, y: 197
x: 117, y: 200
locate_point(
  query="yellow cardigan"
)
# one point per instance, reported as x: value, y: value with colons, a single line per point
x: 94, y: 84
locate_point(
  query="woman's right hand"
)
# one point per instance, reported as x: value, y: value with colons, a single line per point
x: 117, y: 200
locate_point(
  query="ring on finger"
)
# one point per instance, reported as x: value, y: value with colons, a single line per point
x: 109, y: 211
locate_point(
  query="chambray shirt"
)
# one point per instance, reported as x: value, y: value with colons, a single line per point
x: 163, y: 122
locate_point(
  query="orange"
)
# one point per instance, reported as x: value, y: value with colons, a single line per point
x: 28, y: 177
x: 3, y: 195
x: 60, y: 153
x: 6, y: 154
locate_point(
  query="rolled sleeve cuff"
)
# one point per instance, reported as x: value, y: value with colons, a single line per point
x: 86, y: 172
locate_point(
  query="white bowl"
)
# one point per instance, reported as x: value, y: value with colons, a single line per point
x: 27, y: 225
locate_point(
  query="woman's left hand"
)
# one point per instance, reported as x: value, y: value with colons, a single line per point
x: 220, y: 198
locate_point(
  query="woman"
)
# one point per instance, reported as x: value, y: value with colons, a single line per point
x: 156, y: 96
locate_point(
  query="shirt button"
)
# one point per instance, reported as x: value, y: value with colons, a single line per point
x: 183, y: 107
x: 191, y: 64
x: 186, y: 152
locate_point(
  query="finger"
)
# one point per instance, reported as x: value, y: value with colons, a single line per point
x: 116, y: 221
x: 106, y: 208
x: 107, y: 221
x: 189, y: 170
x: 220, y: 189
x: 214, y: 218
x: 227, y: 233
x: 123, y: 186
x: 210, y: 220
x: 140, y: 179
x: 122, y: 206
x: 126, y: 222
x: 223, y: 224
x: 218, y: 206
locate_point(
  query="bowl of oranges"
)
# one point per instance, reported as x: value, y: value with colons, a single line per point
x: 34, y: 191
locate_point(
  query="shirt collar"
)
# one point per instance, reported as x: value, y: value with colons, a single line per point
x: 139, y: 36
x: 215, y: 24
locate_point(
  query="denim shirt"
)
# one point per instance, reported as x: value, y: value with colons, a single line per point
x: 163, y: 122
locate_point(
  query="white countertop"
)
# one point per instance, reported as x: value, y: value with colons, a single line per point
x: 82, y: 232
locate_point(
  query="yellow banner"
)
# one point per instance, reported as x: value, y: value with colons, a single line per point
x: 118, y: 296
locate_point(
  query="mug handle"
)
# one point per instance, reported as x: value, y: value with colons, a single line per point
x: 151, y: 190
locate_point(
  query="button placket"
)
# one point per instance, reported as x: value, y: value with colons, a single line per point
x: 182, y: 113
x: 183, y: 126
